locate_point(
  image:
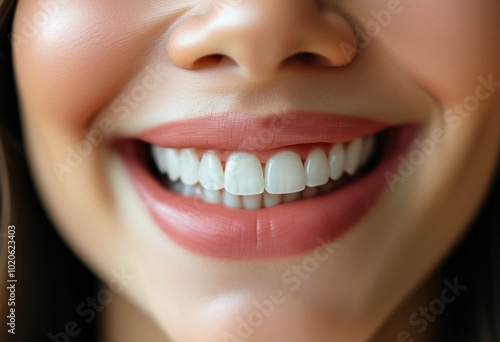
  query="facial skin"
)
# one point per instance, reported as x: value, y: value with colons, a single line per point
x: 84, y: 56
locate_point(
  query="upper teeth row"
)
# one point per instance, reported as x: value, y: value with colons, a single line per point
x: 283, y: 173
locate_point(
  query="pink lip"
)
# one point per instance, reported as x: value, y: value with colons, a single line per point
x: 237, y: 131
x: 216, y: 231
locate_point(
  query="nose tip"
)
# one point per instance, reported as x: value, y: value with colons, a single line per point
x: 261, y: 36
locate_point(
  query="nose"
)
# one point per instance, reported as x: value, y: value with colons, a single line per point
x: 260, y: 37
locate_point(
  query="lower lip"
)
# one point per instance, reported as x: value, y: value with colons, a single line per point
x: 215, y: 231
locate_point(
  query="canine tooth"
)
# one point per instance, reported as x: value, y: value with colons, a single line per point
x: 243, y: 175
x: 336, y: 159
x: 173, y: 163
x: 353, y: 156
x: 270, y: 200
x: 285, y: 173
x: 316, y: 168
x: 159, y: 158
x: 212, y: 196
x: 252, y: 201
x: 231, y: 201
x: 309, y: 192
x: 197, y: 190
x: 368, y: 147
x: 189, y: 165
x: 291, y: 197
x: 211, y: 175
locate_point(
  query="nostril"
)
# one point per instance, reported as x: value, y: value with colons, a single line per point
x: 259, y: 37
x: 208, y: 61
x: 309, y: 58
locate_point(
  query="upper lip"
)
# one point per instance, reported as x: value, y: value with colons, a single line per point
x: 239, y: 131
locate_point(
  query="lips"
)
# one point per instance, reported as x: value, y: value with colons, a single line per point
x: 213, y: 230
x: 237, y: 131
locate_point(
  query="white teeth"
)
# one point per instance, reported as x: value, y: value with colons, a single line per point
x: 316, y: 168
x: 189, y: 165
x: 243, y: 175
x: 252, y: 201
x: 285, y: 173
x: 173, y: 164
x: 290, y: 197
x: 244, y: 184
x: 336, y: 159
x: 353, y: 156
x: 211, y: 175
x: 159, y: 158
x: 270, y: 200
x: 212, y: 196
x: 231, y: 201
x: 368, y: 148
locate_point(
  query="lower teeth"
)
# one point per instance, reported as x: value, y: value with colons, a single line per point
x: 264, y: 200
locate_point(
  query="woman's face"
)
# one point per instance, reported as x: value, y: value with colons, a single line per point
x: 240, y: 85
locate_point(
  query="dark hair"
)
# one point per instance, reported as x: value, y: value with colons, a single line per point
x: 52, y: 282
x: 476, y: 263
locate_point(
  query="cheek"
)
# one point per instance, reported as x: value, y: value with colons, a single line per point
x: 71, y: 58
x: 445, y: 45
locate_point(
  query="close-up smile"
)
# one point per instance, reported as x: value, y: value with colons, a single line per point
x: 260, y: 196
x: 250, y: 170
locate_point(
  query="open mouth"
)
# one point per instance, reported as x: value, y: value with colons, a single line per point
x: 253, y: 181
x: 303, y: 188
